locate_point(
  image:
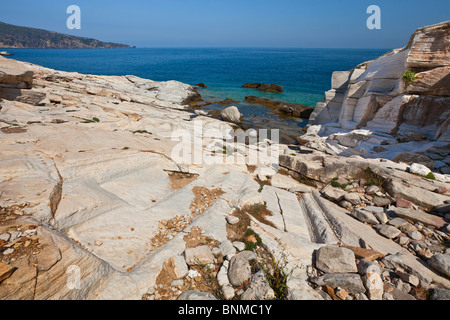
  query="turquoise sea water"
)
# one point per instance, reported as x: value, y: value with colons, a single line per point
x: 304, y: 73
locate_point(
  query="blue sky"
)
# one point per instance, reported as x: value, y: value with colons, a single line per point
x: 233, y: 23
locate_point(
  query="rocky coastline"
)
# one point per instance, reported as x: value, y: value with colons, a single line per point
x: 93, y: 204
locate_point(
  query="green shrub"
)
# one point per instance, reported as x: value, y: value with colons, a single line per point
x: 409, y: 76
x: 91, y: 121
x: 249, y: 245
x: 276, y: 273
x: 431, y: 176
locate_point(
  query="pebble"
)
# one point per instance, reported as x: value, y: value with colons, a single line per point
x: 342, y: 293
x: 5, y: 236
x: 388, y: 231
x: 240, y: 246
x: 403, y: 240
x: 8, y: 251
x: 228, y: 291
x: 415, y: 235
x: 30, y: 232
x: 15, y: 235
x: 371, y: 190
x: 193, y: 274
x: 381, y: 202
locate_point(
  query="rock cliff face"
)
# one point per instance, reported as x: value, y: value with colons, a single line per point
x: 373, y: 95
x: 379, y: 98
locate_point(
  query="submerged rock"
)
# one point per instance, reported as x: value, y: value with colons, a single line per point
x: 293, y: 109
x: 264, y: 87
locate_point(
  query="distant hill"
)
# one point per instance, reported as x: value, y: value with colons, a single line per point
x: 22, y: 37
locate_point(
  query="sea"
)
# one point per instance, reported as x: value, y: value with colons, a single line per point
x: 304, y: 73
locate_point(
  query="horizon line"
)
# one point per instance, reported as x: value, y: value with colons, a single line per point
x: 201, y: 47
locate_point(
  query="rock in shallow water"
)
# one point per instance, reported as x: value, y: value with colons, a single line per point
x: 232, y: 115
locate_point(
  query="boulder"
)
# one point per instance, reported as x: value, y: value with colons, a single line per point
x: 232, y: 220
x: 420, y: 169
x: 14, y: 74
x: 371, y: 190
x: 402, y: 203
x: 366, y: 266
x: 239, y: 270
x: 441, y: 263
x: 402, y: 225
x: 264, y: 87
x: 440, y: 294
x: 443, y: 208
x: 353, y: 198
x: 333, y: 259
x: 232, y: 114
x: 227, y: 248
x: 275, y: 88
x: 374, y: 285
x: 420, y: 216
x: 413, y: 192
x: 334, y: 194
x: 381, y: 202
x: 294, y: 109
x: 365, y: 254
x: 408, y: 278
x: 389, y: 232
x: 364, y: 216
x: 410, y: 158
x: 198, y: 255
x: 259, y: 288
x: 349, y: 281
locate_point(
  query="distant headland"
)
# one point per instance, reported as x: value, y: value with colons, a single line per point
x: 23, y: 37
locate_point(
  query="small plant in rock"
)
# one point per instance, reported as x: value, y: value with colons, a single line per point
x: 141, y: 131
x: 306, y: 181
x: 371, y: 178
x: 409, y: 76
x: 259, y: 212
x: 252, y: 240
x: 209, y: 279
x: 431, y: 176
x: 94, y: 120
x: 262, y: 184
x: 276, y: 272
x: 336, y: 184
